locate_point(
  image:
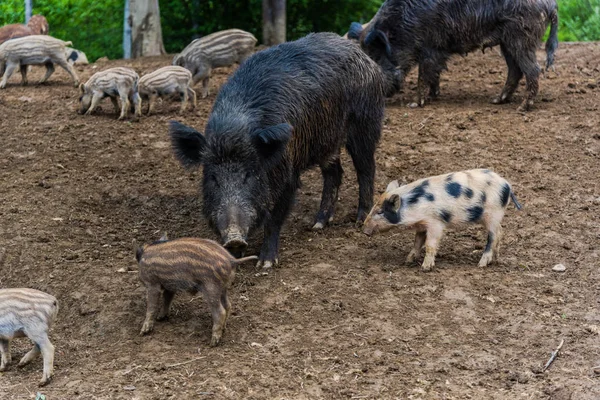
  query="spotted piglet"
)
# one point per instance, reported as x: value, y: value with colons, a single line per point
x: 428, y: 205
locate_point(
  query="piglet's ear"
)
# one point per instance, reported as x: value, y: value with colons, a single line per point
x: 392, y: 185
x: 164, y: 237
x: 395, y: 201
x: 271, y: 141
x: 188, y: 144
x: 82, y: 87
x: 355, y: 31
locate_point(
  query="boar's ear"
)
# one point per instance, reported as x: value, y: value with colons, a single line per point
x: 188, y: 143
x: 355, y: 31
x: 271, y: 141
x: 378, y: 39
x: 392, y: 185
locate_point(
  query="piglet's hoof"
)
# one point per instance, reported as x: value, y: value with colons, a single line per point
x: 44, y: 381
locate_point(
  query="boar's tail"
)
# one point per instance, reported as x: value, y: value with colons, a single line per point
x: 552, y: 42
x: 514, y: 200
x: 244, y: 259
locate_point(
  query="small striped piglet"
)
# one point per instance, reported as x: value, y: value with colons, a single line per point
x: 219, y: 49
x: 428, y: 205
x: 192, y: 265
x: 167, y: 81
x: 115, y: 82
x: 33, y: 50
x: 27, y: 312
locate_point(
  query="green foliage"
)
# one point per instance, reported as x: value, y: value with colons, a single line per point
x: 579, y: 20
x: 96, y: 26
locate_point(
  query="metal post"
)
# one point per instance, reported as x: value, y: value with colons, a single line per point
x: 27, y: 11
x: 127, y: 32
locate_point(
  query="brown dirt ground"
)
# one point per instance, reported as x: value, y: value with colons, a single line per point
x: 342, y: 317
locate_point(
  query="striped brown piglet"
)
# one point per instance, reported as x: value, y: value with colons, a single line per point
x: 27, y: 312
x: 191, y: 265
x: 167, y: 81
x: 219, y: 49
x: 118, y: 82
x: 477, y: 196
x: 34, y: 50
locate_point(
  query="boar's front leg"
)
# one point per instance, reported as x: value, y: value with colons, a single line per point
x: 361, y: 143
x: 332, y: 179
x: 269, y: 252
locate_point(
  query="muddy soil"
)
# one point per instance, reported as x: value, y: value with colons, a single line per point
x: 342, y: 317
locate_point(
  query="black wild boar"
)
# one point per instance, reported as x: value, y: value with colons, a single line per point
x: 406, y: 33
x: 284, y: 110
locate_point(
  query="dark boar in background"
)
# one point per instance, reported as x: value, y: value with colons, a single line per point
x: 284, y: 110
x: 405, y: 33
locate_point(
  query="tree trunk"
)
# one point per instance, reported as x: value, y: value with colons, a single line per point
x: 273, y: 22
x: 145, y: 26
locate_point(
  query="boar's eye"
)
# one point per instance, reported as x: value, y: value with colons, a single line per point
x: 213, y: 179
x: 248, y: 176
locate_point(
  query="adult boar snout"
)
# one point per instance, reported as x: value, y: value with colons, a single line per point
x: 235, y: 242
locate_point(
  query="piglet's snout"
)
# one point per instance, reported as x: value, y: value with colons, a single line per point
x: 368, y: 230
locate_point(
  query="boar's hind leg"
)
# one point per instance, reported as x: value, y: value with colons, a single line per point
x: 512, y: 80
x: 531, y: 69
x: 10, y: 69
x: 167, y: 299
x: 49, y: 72
x: 361, y: 143
x: 23, y: 69
x: 152, y: 299
x: 5, y: 351
x: 332, y: 179
x: 420, y: 238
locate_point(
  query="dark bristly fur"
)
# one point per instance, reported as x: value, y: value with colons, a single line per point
x: 284, y: 110
x: 405, y: 33
x: 192, y: 265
